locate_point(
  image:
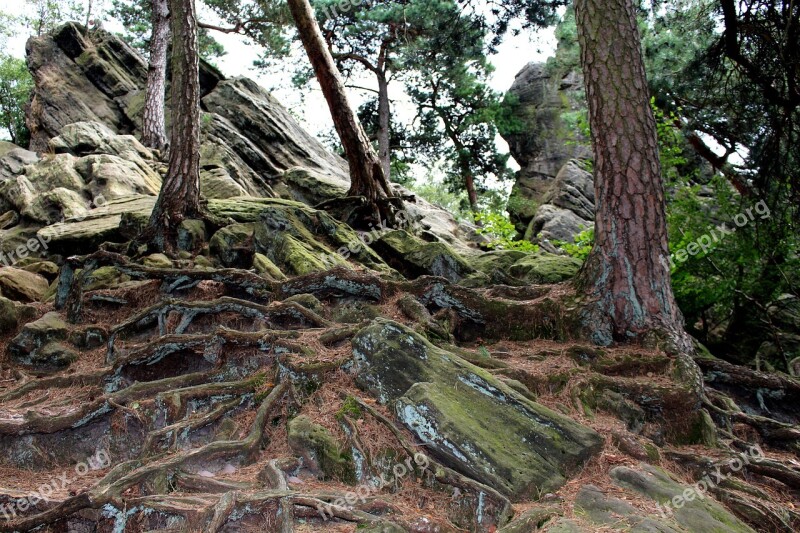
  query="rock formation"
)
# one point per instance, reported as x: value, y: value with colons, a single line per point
x: 553, y: 197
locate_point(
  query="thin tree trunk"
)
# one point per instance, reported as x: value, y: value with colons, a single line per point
x: 88, y: 15
x: 367, y: 177
x: 472, y: 194
x: 179, y: 198
x: 154, y: 133
x: 384, y: 125
x: 627, y: 273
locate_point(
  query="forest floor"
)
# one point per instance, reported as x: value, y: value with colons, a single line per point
x: 174, y: 416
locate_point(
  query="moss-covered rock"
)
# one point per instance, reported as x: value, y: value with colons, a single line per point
x: 21, y: 285
x: 157, y: 261
x: 39, y: 345
x: 8, y: 315
x: 320, y: 451
x: 265, y: 267
x: 354, y: 312
x: 691, y: 509
x: 297, y: 257
x: 299, y: 240
x: 233, y: 245
x: 543, y: 267
x: 309, y: 301
x: 455, y: 408
x: 107, y: 277
x: 414, y: 257
x: 191, y: 235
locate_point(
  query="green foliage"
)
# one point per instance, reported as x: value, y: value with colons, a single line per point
x: 15, y: 88
x: 43, y: 16
x: 501, y: 232
x: 581, y: 246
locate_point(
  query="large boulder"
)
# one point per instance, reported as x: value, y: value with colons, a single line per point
x: 456, y: 408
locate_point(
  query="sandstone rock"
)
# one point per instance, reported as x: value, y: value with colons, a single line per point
x: 89, y: 98
x: 21, y: 285
x: 46, y: 269
x: 233, y: 245
x: 78, y: 78
x: 39, y: 344
x: 695, y: 514
x: 14, y: 161
x: 280, y: 142
x: 84, y: 234
x: 8, y: 315
x: 414, y: 257
x: 455, y: 408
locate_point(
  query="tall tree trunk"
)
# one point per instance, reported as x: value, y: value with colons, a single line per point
x: 367, y: 178
x: 627, y: 272
x: 154, y: 133
x: 384, y: 125
x: 179, y: 198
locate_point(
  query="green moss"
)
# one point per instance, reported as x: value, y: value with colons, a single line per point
x: 265, y: 267
x: 349, y: 409
x: 543, y: 267
x: 652, y: 452
x: 414, y: 257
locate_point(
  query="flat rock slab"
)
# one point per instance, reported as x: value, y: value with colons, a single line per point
x: 679, y: 504
x: 469, y: 419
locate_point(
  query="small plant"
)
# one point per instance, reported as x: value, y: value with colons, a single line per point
x: 582, y: 245
x: 501, y: 233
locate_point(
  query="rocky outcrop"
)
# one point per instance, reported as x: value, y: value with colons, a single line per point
x: 553, y: 195
x: 251, y: 145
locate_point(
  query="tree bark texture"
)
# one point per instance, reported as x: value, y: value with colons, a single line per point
x: 367, y: 178
x: 154, y: 133
x: 179, y: 198
x: 626, y: 276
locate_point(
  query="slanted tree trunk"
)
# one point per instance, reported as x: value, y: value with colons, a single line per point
x: 626, y: 276
x: 154, y: 133
x: 179, y: 198
x: 367, y: 178
x: 384, y: 124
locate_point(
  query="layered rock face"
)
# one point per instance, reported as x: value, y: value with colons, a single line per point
x: 251, y: 145
x: 553, y: 197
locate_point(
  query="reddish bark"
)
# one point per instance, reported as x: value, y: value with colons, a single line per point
x: 179, y: 198
x: 627, y: 274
